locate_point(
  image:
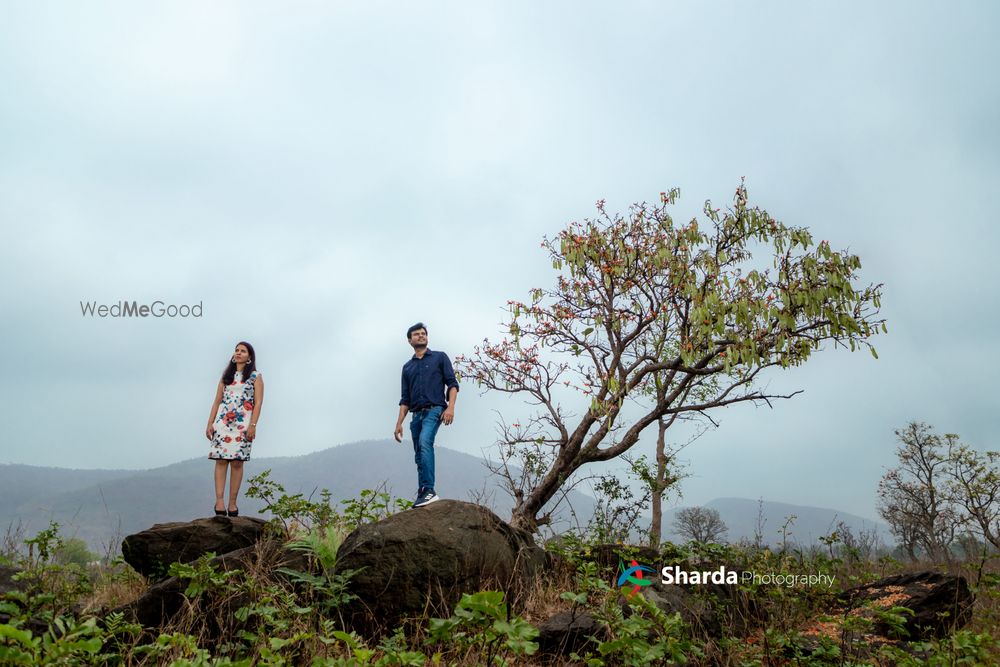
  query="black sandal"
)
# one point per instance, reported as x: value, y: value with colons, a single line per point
x: 220, y: 512
x: 235, y: 512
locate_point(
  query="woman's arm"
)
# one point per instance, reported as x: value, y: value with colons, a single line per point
x: 210, y: 430
x: 258, y: 401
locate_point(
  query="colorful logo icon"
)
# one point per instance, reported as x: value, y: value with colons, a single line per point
x: 631, y: 577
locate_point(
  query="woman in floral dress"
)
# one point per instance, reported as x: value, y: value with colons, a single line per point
x: 232, y: 424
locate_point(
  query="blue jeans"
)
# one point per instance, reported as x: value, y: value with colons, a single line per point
x: 423, y: 427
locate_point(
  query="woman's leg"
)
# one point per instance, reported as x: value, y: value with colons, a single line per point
x: 220, y: 483
x: 235, y: 479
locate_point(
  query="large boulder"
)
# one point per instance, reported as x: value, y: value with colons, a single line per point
x: 423, y: 560
x: 152, y: 551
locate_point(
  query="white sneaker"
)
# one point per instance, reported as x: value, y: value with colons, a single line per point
x: 427, y: 499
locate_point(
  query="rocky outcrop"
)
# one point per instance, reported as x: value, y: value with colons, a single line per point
x: 415, y: 562
x: 151, y: 551
x: 423, y: 560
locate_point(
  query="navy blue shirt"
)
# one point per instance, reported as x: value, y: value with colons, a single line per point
x: 427, y: 380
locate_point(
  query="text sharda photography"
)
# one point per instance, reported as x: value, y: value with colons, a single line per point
x: 136, y: 309
x: 675, y: 575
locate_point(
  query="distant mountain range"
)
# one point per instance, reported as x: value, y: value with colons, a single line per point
x: 808, y: 524
x: 101, y: 506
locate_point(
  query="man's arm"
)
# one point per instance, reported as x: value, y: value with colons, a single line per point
x: 398, y: 434
x: 448, y: 416
x: 451, y: 387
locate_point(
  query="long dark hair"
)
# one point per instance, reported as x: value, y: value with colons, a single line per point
x: 248, y: 368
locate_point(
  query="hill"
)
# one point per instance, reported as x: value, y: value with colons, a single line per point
x: 100, y: 506
x: 810, y: 523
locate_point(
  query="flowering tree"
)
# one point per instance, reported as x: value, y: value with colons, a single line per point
x: 674, y: 319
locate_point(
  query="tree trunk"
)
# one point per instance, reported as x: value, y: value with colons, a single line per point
x: 656, y: 499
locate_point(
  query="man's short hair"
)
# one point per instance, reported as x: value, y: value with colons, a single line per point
x: 418, y: 325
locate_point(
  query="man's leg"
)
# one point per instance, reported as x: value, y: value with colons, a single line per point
x: 428, y: 431
x: 415, y: 420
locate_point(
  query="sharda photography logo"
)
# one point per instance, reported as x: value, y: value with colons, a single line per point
x: 633, y: 577
x: 135, y: 309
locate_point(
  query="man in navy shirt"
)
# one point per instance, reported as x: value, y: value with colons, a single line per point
x: 427, y: 379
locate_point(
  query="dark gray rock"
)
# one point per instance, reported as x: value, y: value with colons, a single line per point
x: 423, y: 560
x: 7, y: 582
x: 941, y: 603
x: 568, y: 632
x: 152, y: 551
x: 696, y: 611
x: 8, y: 585
x: 163, y: 599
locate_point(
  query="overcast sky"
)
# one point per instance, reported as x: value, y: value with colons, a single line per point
x: 320, y: 175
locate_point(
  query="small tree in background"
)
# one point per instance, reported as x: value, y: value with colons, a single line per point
x: 700, y: 524
x: 974, y: 486
x: 73, y: 550
x: 942, y: 493
x: 617, y: 512
x: 675, y: 320
x: 914, y: 497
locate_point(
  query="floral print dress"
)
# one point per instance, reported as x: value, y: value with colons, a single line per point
x: 233, y: 419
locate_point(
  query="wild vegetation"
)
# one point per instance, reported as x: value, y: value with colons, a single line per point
x: 63, y: 612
